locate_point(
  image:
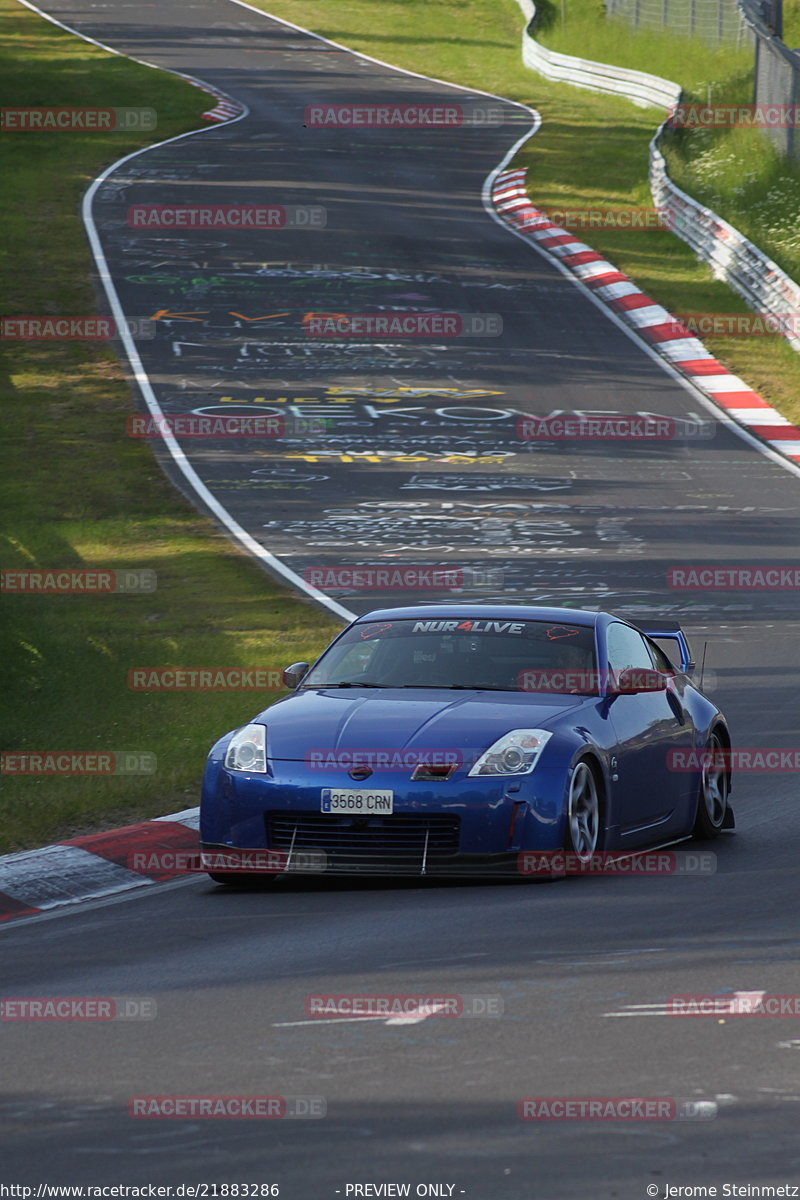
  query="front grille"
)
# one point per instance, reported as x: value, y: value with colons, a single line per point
x: 396, y: 841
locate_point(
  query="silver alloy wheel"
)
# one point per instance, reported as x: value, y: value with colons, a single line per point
x: 584, y: 812
x: 715, y: 782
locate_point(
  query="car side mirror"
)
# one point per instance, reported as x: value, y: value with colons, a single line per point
x: 633, y: 680
x: 292, y: 677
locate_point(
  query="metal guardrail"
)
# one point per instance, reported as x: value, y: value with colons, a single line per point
x: 732, y: 257
x: 643, y: 89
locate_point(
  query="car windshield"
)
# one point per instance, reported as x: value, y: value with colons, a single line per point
x: 501, y: 654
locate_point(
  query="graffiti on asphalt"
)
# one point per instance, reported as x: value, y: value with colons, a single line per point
x: 454, y: 482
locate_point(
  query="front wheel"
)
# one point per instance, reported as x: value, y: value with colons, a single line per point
x: 712, y: 803
x: 583, y: 813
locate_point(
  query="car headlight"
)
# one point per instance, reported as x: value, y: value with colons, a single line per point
x: 515, y: 753
x: 247, y: 750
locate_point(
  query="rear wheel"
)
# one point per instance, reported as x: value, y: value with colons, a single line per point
x: 584, y: 831
x: 712, y: 803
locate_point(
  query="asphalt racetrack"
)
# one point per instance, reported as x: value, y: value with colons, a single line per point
x: 418, y: 461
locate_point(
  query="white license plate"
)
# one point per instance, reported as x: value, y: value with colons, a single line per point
x: 357, y: 801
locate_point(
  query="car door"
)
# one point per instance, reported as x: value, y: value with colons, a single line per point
x: 647, y: 725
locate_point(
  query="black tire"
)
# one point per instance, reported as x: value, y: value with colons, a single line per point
x: 712, y: 799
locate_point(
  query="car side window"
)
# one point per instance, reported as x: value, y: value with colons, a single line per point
x: 660, y: 659
x: 627, y: 649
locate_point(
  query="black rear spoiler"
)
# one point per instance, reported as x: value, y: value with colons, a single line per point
x: 670, y: 631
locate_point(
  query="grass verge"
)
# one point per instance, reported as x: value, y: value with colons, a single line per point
x: 76, y: 492
x: 591, y: 151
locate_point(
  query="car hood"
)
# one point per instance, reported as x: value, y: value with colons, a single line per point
x: 330, y: 719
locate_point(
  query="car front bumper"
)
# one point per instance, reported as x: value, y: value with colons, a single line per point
x: 233, y: 862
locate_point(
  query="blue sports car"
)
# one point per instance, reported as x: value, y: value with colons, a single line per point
x: 458, y: 739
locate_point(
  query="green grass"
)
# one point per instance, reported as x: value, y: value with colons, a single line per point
x: 737, y: 171
x: 75, y: 491
x: 588, y: 33
x: 592, y: 151
x: 791, y: 23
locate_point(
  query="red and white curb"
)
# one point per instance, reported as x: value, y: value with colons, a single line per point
x: 225, y: 109
x: 97, y: 865
x: 649, y: 320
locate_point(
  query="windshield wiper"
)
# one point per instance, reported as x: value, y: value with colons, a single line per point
x: 348, y: 683
x: 453, y: 687
x: 479, y: 687
x: 467, y: 687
